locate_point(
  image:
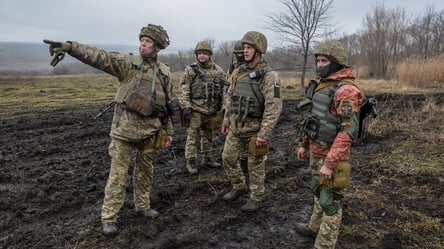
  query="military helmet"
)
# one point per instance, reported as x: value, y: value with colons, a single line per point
x: 257, y: 40
x: 238, y: 47
x: 157, y: 33
x: 203, y: 46
x: 334, y: 50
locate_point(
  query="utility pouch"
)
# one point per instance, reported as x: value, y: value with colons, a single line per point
x: 214, y: 123
x: 340, y: 177
x: 140, y: 103
x: 161, y: 140
x: 305, y: 105
x: 311, y: 126
x: 255, y: 150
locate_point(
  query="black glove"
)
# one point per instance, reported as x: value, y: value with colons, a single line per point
x: 57, y: 49
x: 222, y: 113
x: 188, y: 113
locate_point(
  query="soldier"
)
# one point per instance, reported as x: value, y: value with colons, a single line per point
x: 141, y: 116
x: 238, y: 52
x: 201, y: 99
x: 253, y: 106
x: 334, y: 102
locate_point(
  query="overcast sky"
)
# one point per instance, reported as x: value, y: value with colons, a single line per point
x: 187, y: 21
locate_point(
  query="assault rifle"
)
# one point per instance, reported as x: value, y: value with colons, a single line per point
x: 369, y: 107
x: 107, y: 108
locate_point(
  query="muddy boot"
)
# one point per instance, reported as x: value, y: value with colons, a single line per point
x: 191, y: 167
x: 109, y: 228
x: 209, y: 162
x: 234, y: 194
x: 304, y: 230
x: 250, y: 206
x: 150, y: 213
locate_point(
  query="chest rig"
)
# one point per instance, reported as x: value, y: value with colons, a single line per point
x: 149, y: 84
x: 247, y: 99
x: 317, y: 122
x: 203, y: 85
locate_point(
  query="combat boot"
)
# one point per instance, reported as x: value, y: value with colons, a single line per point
x: 209, y: 162
x: 250, y: 206
x: 191, y: 167
x: 150, y: 213
x: 234, y: 194
x: 304, y: 230
x: 109, y: 228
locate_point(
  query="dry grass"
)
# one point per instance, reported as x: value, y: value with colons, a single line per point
x: 25, y: 94
x: 421, y: 72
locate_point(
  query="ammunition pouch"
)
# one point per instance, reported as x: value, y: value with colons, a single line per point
x: 140, y: 103
x: 214, y: 123
x: 340, y: 177
x: 161, y: 139
x: 255, y: 150
x: 311, y: 126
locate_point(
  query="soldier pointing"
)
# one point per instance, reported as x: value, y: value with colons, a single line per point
x: 141, y: 119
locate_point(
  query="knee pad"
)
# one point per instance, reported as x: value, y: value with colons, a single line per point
x: 326, y: 201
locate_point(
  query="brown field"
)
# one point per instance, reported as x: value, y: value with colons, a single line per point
x: 54, y: 165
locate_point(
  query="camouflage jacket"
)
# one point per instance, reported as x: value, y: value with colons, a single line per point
x: 272, y: 107
x: 340, y: 149
x: 128, y: 125
x: 202, y: 91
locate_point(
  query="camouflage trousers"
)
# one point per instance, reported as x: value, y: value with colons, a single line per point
x: 115, y: 191
x: 234, y: 145
x: 198, y: 130
x: 327, y: 227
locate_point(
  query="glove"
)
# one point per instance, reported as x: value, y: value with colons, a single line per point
x: 188, y: 113
x: 222, y: 114
x: 57, y: 49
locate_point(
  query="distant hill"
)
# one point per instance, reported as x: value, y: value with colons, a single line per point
x: 22, y: 56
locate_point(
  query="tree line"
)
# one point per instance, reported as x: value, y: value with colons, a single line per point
x: 387, y: 37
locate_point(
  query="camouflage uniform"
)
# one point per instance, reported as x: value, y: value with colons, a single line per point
x: 237, y: 49
x: 130, y: 130
x: 247, y: 118
x: 202, y: 92
x: 334, y: 148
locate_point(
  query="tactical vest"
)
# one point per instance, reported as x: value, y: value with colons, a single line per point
x: 204, y: 87
x: 319, y: 124
x: 247, y: 99
x: 140, y: 79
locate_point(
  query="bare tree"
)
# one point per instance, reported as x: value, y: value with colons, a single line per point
x: 223, y: 54
x: 300, y: 23
x: 438, y: 32
x: 383, y: 39
x: 426, y: 34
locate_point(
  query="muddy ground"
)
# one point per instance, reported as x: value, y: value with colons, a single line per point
x: 54, y: 166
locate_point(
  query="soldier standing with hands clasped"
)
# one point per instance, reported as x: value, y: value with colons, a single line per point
x: 253, y: 106
x: 141, y: 118
x: 330, y: 109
